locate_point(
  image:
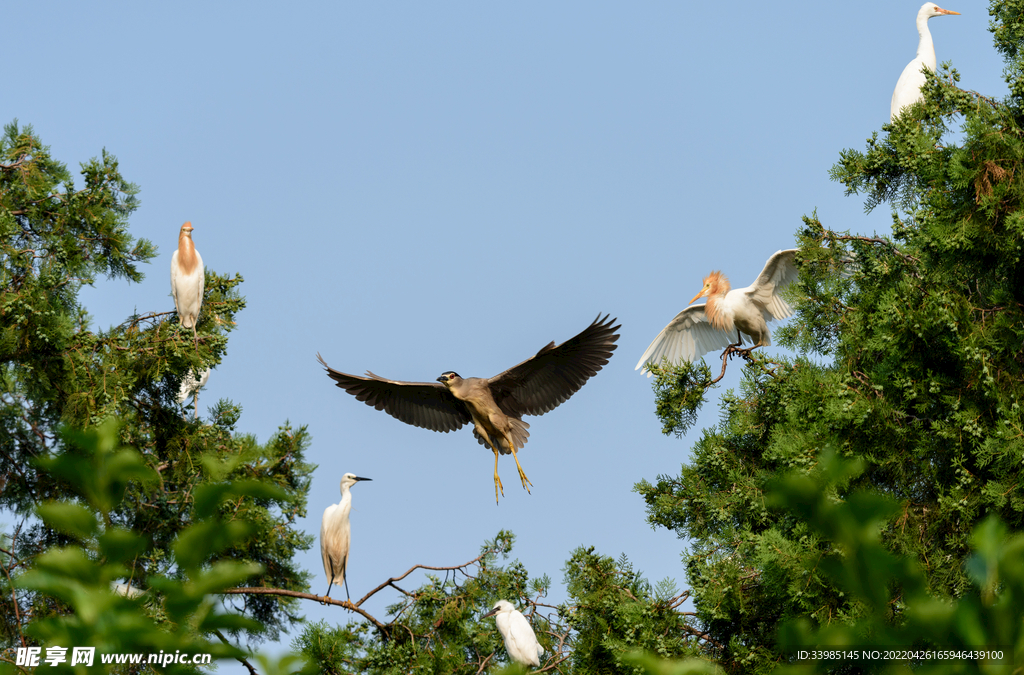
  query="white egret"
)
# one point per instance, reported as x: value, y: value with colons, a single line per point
x: 190, y: 387
x: 908, y: 88
x: 520, y: 641
x: 127, y: 590
x: 699, y: 329
x: 188, y: 276
x: 334, y: 535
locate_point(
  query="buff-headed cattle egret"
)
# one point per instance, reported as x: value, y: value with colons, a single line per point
x: 699, y: 329
x: 334, y: 536
x: 497, y: 404
x: 908, y: 88
x: 520, y: 640
x: 187, y: 279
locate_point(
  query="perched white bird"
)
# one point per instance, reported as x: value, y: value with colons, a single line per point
x: 334, y: 535
x: 520, y: 641
x: 189, y: 385
x: 187, y: 279
x: 699, y: 329
x: 127, y: 590
x: 908, y: 88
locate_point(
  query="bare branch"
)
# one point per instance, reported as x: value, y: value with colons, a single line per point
x: 308, y: 596
x: 392, y: 580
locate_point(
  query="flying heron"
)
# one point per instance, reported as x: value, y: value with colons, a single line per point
x: 494, y: 405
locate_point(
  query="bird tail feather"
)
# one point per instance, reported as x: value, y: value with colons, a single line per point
x: 519, y: 434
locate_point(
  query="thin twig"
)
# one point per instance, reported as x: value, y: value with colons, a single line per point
x: 390, y: 582
x: 240, y: 658
x: 483, y: 664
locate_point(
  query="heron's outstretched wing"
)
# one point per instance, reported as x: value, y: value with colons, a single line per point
x: 687, y: 337
x: 778, y: 272
x: 555, y: 373
x: 423, y: 404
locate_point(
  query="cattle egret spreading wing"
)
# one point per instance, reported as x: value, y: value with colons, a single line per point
x: 908, y: 88
x: 494, y: 405
x: 699, y: 329
x: 334, y: 536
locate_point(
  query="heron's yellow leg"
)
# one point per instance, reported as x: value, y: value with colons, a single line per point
x: 522, y: 474
x: 497, y: 479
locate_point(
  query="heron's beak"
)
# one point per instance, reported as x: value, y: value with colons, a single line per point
x: 360, y: 478
x: 490, y: 613
x: 948, y: 11
x: 696, y: 297
x: 442, y: 379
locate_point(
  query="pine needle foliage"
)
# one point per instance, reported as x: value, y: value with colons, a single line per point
x: 57, y: 371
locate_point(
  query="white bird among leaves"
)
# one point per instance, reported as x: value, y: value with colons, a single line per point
x: 334, y: 535
x: 908, y: 88
x: 188, y: 276
x: 520, y: 641
x: 699, y: 329
x: 190, y: 386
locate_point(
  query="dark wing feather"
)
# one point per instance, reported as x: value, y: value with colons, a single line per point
x: 542, y: 383
x: 423, y: 404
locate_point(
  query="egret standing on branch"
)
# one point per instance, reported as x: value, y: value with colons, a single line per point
x: 699, y: 329
x: 520, y: 640
x: 334, y: 536
x: 494, y: 405
x: 908, y: 88
x: 187, y: 280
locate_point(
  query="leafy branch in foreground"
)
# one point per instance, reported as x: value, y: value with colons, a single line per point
x: 897, y: 610
x: 79, y: 578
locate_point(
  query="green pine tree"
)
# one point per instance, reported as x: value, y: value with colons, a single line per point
x: 911, y: 362
x: 58, y: 372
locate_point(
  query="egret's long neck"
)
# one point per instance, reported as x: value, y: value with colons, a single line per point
x: 925, y: 48
x: 187, y: 259
x: 345, y: 505
x: 713, y: 307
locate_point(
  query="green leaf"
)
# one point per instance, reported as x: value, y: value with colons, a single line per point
x: 73, y: 519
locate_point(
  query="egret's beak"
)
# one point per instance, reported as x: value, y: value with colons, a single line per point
x: 359, y: 478
x: 948, y: 11
x: 696, y: 297
x: 490, y: 613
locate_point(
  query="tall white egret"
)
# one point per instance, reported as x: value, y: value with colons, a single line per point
x: 188, y: 276
x: 908, y: 88
x: 334, y: 535
x: 699, y: 329
x: 520, y: 641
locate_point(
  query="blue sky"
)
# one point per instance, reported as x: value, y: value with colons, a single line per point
x: 414, y: 188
